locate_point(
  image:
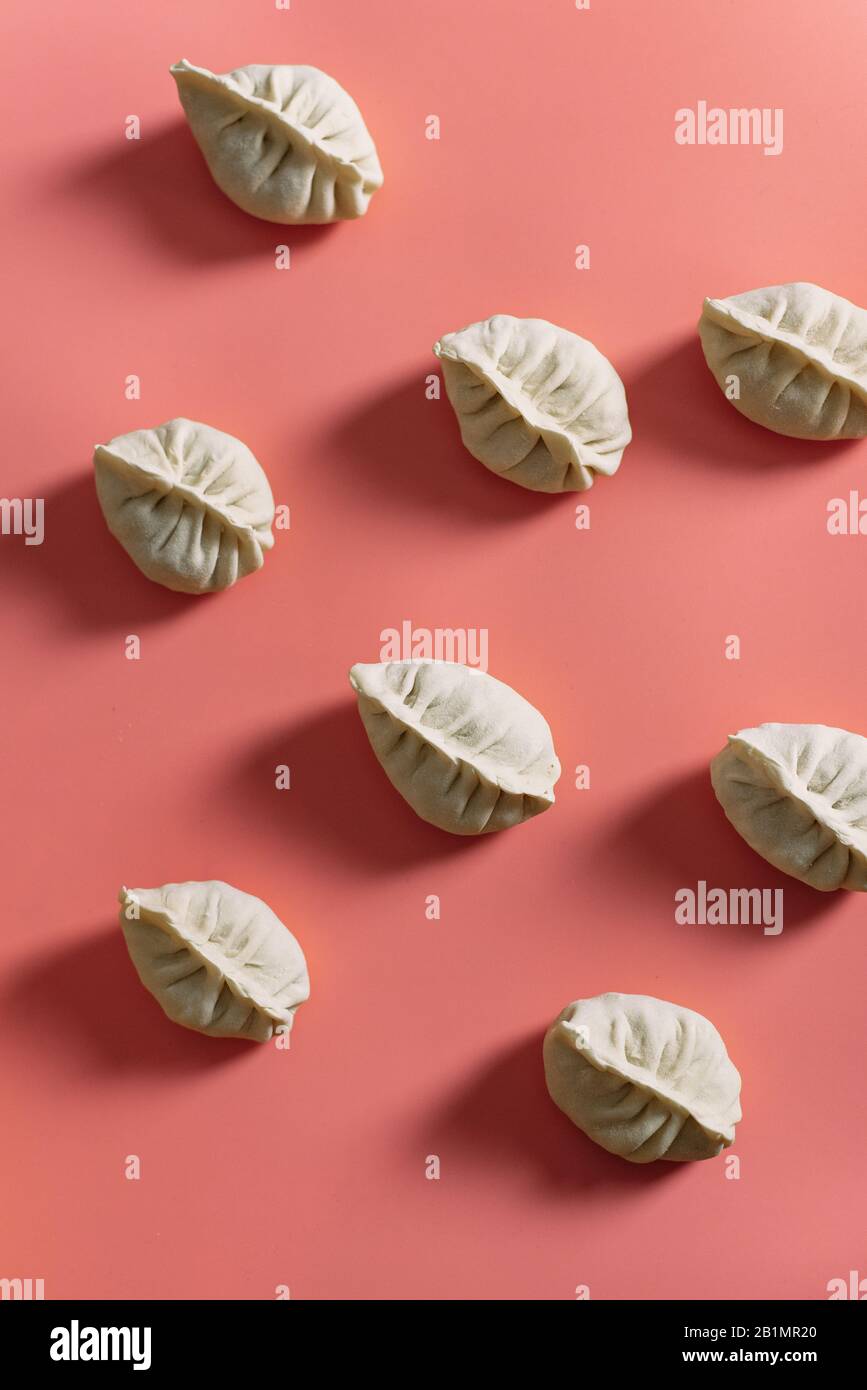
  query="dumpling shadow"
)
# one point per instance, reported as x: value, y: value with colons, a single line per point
x: 83, y: 1000
x: 677, y: 835
x: 675, y: 403
x: 408, y: 451
x: 340, y: 802
x: 503, y: 1115
x: 158, y: 182
x: 88, y: 575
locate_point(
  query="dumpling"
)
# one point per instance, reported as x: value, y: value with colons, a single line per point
x: 188, y: 503
x: 797, y: 793
x: 798, y: 355
x: 468, y: 753
x: 643, y: 1078
x: 535, y: 403
x: 286, y: 144
x: 215, y: 959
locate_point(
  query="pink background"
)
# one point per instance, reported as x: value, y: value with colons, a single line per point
x: 306, y: 1168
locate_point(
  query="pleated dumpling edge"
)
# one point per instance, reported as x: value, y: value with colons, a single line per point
x: 792, y: 358
x: 535, y: 403
x: 797, y: 793
x: 468, y: 753
x: 190, y: 504
x: 643, y: 1078
x: 217, y: 960
x: 286, y: 144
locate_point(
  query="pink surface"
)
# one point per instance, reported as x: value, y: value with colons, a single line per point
x: 307, y: 1168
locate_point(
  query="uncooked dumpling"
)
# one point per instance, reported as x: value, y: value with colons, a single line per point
x: 797, y: 793
x: 792, y: 358
x: 188, y: 503
x: 468, y: 753
x: 287, y: 144
x: 215, y: 959
x: 643, y: 1078
x: 535, y: 403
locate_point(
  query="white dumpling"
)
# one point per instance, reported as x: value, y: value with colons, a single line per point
x: 535, y: 403
x: 286, y: 144
x: 189, y: 504
x: 215, y: 959
x: 799, y: 357
x: 643, y: 1078
x: 468, y: 753
x: 797, y: 793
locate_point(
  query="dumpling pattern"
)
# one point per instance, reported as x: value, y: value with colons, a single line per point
x: 535, y: 403
x: 286, y: 144
x: 189, y: 504
x: 797, y: 793
x: 215, y: 959
x: 469, y: 754
x: 799, y: 354
x: 643, y: 1078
